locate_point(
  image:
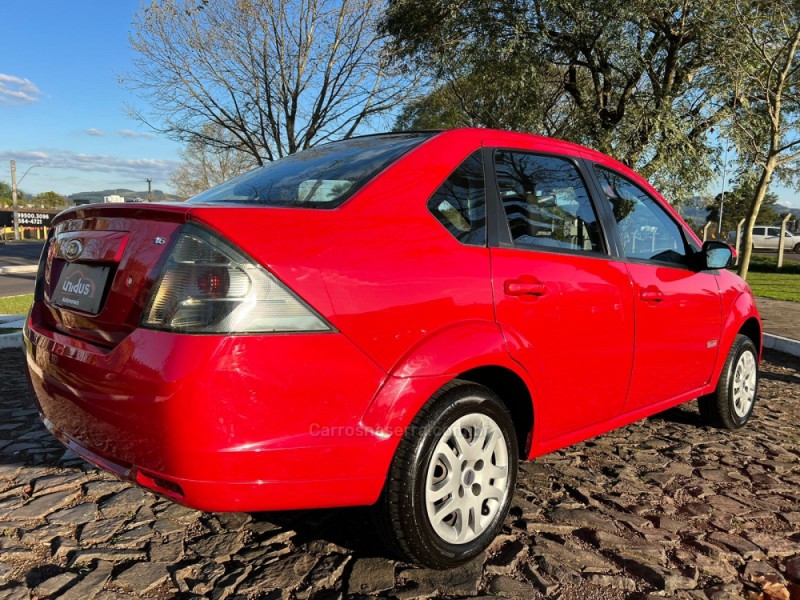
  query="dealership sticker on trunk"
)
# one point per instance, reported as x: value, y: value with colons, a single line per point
x: 81, y: 287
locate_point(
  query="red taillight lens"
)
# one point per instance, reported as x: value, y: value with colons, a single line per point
x: 208, y: 286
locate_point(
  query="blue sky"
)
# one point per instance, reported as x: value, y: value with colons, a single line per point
x: 61, y: 103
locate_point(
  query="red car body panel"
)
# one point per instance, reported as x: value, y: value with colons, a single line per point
x: 283, y: 421
x: 586, y: 305
x: 680, y: 317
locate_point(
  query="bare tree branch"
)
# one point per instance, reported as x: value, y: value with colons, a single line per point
x: 277, y: 76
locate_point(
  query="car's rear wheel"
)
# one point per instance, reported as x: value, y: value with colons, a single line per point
x: 452, y: 479
x: 797, y: 248
x: 731, y: 404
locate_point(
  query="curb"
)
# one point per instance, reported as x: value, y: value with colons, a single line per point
x: 782, y: 344
x: 11, y: 340
x: 19, y: 269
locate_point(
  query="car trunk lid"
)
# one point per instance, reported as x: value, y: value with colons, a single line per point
x: 99, y: 267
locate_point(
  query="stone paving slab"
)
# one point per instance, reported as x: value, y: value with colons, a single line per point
x: 662, y: 508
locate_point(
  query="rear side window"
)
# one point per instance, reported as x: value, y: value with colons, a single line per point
x: 460, y: 203
x: 546, y: 202
x: 758, y: 231
x: 647, y: 231
x: 320, y: 177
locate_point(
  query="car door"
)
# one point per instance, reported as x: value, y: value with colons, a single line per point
x: 677, y: 309
x: 773, y: 238
x: 759, y: 235
x: 563, y: 303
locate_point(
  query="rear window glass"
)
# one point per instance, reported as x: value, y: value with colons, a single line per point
x: 460, y: 202
x: 321, y: 177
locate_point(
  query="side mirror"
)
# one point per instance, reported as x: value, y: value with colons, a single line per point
x: 716, y: 255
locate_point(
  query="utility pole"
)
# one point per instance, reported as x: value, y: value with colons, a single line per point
x: 149, y: 190
x: 14, y: 191
x: 14, y: 197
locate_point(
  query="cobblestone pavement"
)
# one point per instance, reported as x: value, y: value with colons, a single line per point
x: 665, y: 507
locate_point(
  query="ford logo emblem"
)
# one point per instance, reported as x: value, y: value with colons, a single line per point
x: 73, y: 249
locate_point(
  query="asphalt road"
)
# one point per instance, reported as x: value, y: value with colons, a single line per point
x: 17, y: 254
x: 17, y: 284
x: 20, y: 253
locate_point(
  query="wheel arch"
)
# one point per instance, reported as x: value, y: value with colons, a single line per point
x: 741, y: 318
x: 474, y: 352
x: 515, y: 395
x: 752, y: 329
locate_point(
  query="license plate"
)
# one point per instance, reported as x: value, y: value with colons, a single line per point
x: 81, y: 287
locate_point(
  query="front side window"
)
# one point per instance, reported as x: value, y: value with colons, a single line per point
x: 320, y: 177
x: 546, y: 202
x: 460, y: 202
x: 774, y: 231
x: 647, y: 231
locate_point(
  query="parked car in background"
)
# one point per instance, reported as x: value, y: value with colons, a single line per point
x: 768, y: 238
x: 392, y: 320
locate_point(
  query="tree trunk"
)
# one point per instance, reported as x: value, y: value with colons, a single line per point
x: 752, y: 216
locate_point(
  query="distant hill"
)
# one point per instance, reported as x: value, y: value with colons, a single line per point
x: 129, y: 195
x: 695, y: 209
x: 782, y: 210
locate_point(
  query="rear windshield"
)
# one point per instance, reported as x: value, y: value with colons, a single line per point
x: 321, y: 177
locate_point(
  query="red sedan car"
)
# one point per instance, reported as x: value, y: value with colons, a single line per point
x: 391, y: 320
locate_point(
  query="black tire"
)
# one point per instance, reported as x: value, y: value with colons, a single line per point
x: 797, y: 249
x: 731, y: 404
x: 402, y: 513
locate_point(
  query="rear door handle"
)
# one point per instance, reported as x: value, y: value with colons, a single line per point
x: 652, y: 294
x: 524, y: 286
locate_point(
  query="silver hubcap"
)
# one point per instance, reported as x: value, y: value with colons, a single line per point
x: 744, y: 384
x: 467, y: 480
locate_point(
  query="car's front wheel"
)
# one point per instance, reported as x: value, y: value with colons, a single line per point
x: 452, y: 479
x: 731, y: 404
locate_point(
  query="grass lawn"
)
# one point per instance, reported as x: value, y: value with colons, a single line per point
x: 15, y: 305
x: 781, y: 286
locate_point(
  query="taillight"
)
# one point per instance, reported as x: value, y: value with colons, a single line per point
x: 208, y: 286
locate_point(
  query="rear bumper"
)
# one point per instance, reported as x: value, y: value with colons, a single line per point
x: 218, y: 423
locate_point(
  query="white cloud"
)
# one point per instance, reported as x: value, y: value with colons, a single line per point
x: 94, y: 132
x: 15, y: 90
x: 153, y: 168
x: 129, y: 133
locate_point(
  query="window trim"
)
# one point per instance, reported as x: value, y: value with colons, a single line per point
x: 500, y: 232
x: 690, y: 253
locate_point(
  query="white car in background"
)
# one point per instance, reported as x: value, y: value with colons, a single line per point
x: 767, y: 238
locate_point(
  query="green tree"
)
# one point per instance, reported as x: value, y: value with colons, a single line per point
x: 5, y: 194
x: 50, y: 200
x: 762, y: 68
x: 6, y: 199
x: 737, y: 205
x: 629, y: 78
